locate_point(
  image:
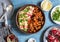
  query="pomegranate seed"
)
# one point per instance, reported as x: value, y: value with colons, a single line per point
x: 56, y: 40
x: 50, y: 37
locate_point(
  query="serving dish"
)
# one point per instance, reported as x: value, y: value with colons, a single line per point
x: 55, y: 14
x: 52, y: 34
x: 41, y: 19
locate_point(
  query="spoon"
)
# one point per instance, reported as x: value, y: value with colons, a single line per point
x: 8, y: 11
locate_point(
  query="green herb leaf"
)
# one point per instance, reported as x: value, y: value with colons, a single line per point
x: 26, y: 9
x: 56, y: 15
x: 21, y: 20
x: 25, y: 29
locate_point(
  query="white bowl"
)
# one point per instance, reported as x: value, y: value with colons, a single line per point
x: 31, y: 40
x: 52, y: 12
x: 46, y: 6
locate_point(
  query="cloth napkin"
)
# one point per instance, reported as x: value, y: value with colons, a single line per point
x: 4, y: 32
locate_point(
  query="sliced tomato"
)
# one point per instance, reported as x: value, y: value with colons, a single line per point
x: 21, y: 27
x: 29, y: 15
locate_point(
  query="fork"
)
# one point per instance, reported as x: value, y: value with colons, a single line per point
x: 4, y: 10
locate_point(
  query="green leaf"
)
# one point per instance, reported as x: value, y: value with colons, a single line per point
x: 21, y: 20
x: 21, y: 15
x: 59, y: 19
x: 25, y: 29
x: 56, y: 15
x: 26, y: 9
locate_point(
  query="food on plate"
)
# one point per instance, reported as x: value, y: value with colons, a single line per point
x: 46, y: 5
x: 50, y: 37
x: 54, y: 35
x: 56, y: 14
x: 11, y: 38
x: 30, y: 19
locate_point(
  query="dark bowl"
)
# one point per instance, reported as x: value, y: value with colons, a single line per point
x: 21, y: 10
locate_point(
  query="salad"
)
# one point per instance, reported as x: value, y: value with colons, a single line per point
x: 24, y: 15
x: 56, y: 14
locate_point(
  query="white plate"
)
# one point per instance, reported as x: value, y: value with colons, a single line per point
x: 52, y: 12
x: 47, y: 32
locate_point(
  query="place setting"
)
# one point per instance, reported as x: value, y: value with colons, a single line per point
x: 30, y: 22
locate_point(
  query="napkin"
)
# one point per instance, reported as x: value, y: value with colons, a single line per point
x: 4, y: 32
x: 1, y: 10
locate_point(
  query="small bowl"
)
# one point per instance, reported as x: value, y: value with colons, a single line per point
x: 21, y: 10
x: 11, y: 37
x: 45, y: 1
x: 32, y: 40
x: 52, y: 12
